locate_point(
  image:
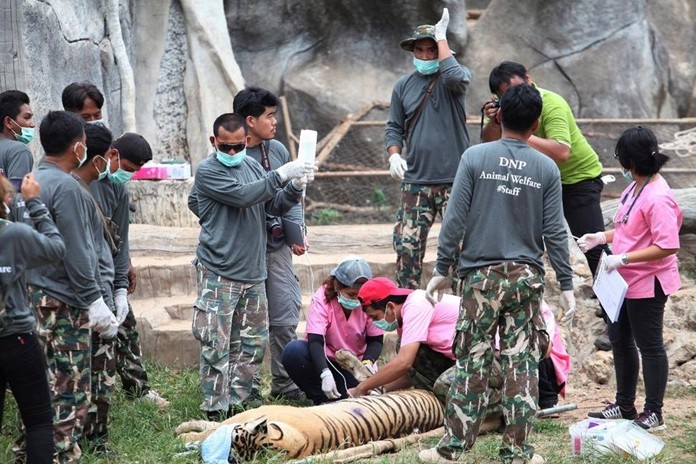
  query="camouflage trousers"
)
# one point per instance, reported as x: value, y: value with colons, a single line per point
x: 420, y: 205
x: 129, y: 361
x: 504, y: 299
x: 231, y: 321
x: 103, y: 383
x: 427, y: 368
x: 66, y: 339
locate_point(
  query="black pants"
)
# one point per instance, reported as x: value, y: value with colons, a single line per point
x: 298, y: 362
x: 23, y: 367
x: 583, y: 212
x: 640, y: 323
x: 548, y: 385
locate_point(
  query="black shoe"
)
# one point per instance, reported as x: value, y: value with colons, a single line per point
x: 602, y: 343
x: 614, y: 411
x: 216, y: 416
x: 252, y: 401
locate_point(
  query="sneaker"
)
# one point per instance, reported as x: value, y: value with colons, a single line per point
x: 650, y: 421
x: 431, y: 455
x: 536, y: 459
x: 602, y: 343
x: 614, y: 411
x: 153, y: 397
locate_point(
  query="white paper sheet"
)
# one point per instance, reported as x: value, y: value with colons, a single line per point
x: 610, y: 289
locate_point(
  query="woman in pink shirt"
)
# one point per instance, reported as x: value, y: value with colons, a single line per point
x: 334, y: 321
x: 645, y: 240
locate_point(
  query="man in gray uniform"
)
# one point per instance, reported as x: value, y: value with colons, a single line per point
x: 258, y: 107
x: 427, y: 113
x: 17, y: 131
x: 66, y: 296
x: 505, y: 208
x: 130, y: 152
x: 232, y: 195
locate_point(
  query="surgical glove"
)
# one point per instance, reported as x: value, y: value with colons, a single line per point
x: 567, y: 303
x: 589, y: 241
x: 121, y: 302
x: 397, y: 166
x: 100, y: 315
x: 613, y: 262
x: 294, y: 169
x: 434, y: 290
x: 441, y: 26
x: 112, y: 331
x: 328, y: 385
x: 300, y: 182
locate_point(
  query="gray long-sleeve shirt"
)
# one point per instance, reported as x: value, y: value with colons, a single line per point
x: 438, y: 137
x: 114, y: 201
x: 505, y: 206
x: 231, y: 204
x: 24, y: 248
x: 277, y: 156
x: 75, y: 279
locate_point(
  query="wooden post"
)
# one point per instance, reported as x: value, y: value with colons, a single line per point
x: 292, y: 140
x: 12, y: 56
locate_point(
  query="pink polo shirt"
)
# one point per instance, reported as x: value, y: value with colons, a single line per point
x: 433, y: 326
x: 328, y: 319
x: 654, y: 220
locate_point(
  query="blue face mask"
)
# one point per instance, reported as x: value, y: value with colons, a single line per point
x: 119, y: 177
x: 27, y: 134
x: 230, y: 160
x: 97, y: 122
x: 382, y: 324
x: 627, y: 175
x: 348, y: 303
x: 106, y: 170
x: 426, y: 67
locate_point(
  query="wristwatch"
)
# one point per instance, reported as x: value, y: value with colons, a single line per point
x: 624, y: 259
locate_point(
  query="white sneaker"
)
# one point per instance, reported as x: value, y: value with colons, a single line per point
x: 153, y: 397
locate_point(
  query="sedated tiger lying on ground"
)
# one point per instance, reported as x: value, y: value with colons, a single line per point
x: 302, y: 432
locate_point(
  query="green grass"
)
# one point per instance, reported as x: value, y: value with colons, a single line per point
x: 140, y: 433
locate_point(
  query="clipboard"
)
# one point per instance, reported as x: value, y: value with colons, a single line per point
x: 610, y: 289
x: 294, y: 232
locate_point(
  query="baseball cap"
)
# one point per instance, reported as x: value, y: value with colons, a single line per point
x: 133, y: 147
x: 425, y: 31
x: 378, y: 289
x: 350, y: 270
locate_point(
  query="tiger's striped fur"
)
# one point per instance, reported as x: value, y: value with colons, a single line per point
x: 305, y: 431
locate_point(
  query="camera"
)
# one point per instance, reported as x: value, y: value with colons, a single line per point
x: 274, y: 227
x: 493, y: 103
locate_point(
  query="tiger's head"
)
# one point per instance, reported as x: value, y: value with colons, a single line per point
x: 255, y: 435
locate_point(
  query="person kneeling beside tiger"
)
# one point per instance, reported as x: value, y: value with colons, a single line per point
x: 426, y: 333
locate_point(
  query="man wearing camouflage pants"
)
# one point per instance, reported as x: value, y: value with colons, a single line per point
x: 426, y: 115
x: 505, y: 207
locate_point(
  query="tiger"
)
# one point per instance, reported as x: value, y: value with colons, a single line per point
x: 301, y: 432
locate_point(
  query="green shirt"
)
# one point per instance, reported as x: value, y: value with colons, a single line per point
x: 558, y: 123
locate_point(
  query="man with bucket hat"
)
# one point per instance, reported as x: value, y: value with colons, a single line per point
x: 425, y: 137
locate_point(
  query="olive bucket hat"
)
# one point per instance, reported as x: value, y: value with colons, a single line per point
x: 425, y: 31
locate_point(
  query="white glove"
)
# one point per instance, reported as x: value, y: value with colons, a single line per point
x: 589, y: 241
x: 294, y: 169
x: 310, y: 173
x: 112, y: 331
x: 328, y: 385
x: 100, y: 315
x: 397, y: 166
x: 434, y: 290
x: 121, y: 302
x: 613, y: 262
x: 300, y: 182
x: 567, y: 303
x: 441, y: 26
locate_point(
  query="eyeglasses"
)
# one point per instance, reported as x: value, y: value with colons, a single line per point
x: 235, y: 147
